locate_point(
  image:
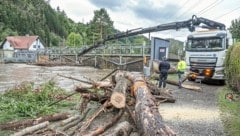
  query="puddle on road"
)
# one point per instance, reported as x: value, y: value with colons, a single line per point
x: 14, y: 74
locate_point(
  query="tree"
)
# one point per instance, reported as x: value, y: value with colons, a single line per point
x: 101, y: 25
x: 74, y: 40
x: 235, y: 29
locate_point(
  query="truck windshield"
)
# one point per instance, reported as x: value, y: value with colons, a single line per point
x: 203, y: 44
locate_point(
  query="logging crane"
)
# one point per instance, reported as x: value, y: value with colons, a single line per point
x: 205, y: 50
x: 190, y: 24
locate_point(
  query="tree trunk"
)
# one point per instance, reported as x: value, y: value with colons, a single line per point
x: 148, y: 118
x: 30, y: 122
x: 122, y: 129
x: 31, y: 129
x: 118, y: 98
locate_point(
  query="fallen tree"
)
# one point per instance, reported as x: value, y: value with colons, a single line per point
x: 129, y: 98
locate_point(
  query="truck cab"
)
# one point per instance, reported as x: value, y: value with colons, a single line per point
x: 205, y: 54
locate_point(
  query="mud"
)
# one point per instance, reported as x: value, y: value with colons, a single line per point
x: 12, y: 75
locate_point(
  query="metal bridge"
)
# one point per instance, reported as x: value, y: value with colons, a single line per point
x: 115, y: 54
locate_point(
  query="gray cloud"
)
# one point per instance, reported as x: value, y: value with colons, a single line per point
x: 143, y: 9
x: 108, y: 4
x: 161, y: 14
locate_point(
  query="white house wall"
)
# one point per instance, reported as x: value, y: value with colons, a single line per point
x: 6, y: 46
x: 36, y: 45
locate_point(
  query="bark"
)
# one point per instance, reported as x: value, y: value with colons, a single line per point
x: 101, y: 130
x: 189, y: 87
x: 165, y: 99
x: 118, y: 97
x: 30, y: 122
x: 31, y: 129
x: 89, y: 120
x: 122, y: 129
x: 66, y: 121
x: 148, y: 119
x: 99, y: 84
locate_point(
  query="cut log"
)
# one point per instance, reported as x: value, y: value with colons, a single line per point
x: 189, y: 87
x: 30, y: 122
x: 165, y: 99
x: 122, y: 129
x: 148, y: 119
x: 102, y: 129
x: 88, y: 122
x: 99, y: 84
x: 31, y: 129
x: 66, y: 121
x: 118, y: 98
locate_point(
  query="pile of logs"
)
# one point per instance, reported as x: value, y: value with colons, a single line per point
x: 126, y: 105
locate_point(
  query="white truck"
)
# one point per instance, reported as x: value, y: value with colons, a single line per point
x: 205, y: 54
x: 205, y: 51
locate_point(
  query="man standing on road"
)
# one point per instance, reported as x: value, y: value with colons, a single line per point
x: 164, y: 66
x: 181, y: 67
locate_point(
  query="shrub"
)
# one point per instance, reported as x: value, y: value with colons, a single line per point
x: 232, y: 67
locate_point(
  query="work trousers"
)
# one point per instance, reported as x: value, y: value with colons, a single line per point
x: 162, y: 81
x: 180, y: 74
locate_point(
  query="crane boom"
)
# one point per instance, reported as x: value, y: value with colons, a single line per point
x: 190, y: 24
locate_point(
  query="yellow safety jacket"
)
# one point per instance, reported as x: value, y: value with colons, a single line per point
x: 181, y: 66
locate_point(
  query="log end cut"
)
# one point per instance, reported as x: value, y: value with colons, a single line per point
x: 118, y: 100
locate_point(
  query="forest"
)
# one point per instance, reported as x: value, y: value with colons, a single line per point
x: 28, y: 17
x: 55, y: 28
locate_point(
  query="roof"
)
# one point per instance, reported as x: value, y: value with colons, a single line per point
x: 21, y: 42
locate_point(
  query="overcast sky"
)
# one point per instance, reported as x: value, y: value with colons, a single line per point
x: 130, y: 14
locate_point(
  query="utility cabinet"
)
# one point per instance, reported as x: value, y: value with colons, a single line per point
x: 159, y: 48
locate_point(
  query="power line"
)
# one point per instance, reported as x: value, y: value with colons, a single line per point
x: 184, y: 4
x: 227, y: 13
x: 190, y: 8
x: 209, y: 7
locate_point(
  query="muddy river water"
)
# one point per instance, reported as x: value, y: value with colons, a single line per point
x: 12, y: 75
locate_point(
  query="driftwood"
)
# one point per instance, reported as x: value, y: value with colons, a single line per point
x: 31, y: 129
x: 189, y: 87
x: 122, y: 129
x: 149, y: 120
x: 118, y: 97
x: 165, y: 99
x: 76, y: 121
x: 102, y: 129
x: 89, y: 120
x: 30, y: 122
x: 129, y: 92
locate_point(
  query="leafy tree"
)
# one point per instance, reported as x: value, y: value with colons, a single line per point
x: 74, y: 40
x: 101, y: 25
x: 235, y: 29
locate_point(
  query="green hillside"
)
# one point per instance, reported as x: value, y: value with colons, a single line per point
x: 37, y: 17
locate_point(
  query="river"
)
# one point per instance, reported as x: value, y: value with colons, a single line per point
x: 12, y: 75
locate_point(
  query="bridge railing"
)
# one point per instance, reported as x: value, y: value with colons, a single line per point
x: 122, y: 50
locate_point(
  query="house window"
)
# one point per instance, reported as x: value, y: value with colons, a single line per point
x: 34, y: 46
x: 38, y: 46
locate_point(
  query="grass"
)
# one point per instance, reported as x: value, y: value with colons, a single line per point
x: 230, y: 111
x: 24, y: 102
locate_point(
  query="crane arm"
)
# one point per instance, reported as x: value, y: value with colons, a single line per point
x: 190, y: 24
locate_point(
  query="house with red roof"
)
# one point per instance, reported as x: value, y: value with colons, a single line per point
x: 28, y: 43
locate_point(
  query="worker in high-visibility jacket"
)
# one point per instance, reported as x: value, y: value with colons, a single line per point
x: 181, y: 67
